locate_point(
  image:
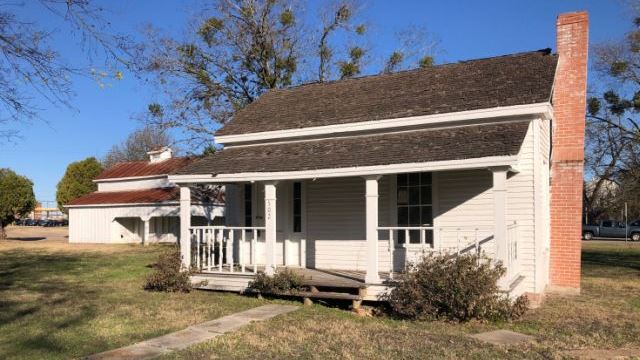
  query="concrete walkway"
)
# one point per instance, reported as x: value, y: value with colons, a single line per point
x: 193, y: 335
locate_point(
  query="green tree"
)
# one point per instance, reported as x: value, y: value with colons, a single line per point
x: 77, y: 181
x: 16, y: 198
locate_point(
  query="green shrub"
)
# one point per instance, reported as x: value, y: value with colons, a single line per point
x: 282, y: 282
x: 168, y: 275
x: 457, y: 288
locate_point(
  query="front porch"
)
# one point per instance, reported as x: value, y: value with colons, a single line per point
x: 353, y: 232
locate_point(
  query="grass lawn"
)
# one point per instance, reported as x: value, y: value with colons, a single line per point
x: 65, y: 303
x: 62, y: 303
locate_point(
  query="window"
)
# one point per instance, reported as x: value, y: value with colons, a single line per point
x: 297, y: 207
x: 248, y: 210
x: 607, y: 223
x: 415, y: 205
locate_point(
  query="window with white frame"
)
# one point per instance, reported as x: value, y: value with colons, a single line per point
x: 415, y: 205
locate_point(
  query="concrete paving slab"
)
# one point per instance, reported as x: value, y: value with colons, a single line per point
x: 138, y: 351
x: 503, y: 337
x: 181, y: 339
x: 196, y: 334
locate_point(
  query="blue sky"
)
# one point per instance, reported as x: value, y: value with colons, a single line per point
x: 103, y: 116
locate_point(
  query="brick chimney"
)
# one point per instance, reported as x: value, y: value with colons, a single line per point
x: 567, y: 156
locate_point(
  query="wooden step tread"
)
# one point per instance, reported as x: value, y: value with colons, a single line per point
x: 328, y: 295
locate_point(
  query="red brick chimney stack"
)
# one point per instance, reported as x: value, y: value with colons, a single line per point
x: 567, y: 157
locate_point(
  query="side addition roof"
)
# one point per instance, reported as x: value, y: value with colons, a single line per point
x: 146, y: 196
x: 518, y: 79
x: 144, y: 168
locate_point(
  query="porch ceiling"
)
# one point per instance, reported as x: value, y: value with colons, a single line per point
x: 424, y: 146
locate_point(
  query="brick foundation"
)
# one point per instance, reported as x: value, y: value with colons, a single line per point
x: 569, y: 102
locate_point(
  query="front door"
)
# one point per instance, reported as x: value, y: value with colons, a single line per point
x: 290, y: 222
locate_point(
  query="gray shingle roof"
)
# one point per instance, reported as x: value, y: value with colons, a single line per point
x: 453, y: 143
x: 517, y: 79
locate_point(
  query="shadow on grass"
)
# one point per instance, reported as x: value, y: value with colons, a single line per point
x: 32, y: 285
x: 27, y: 238
x: 611, y: 258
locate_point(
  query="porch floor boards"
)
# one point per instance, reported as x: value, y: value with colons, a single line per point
x: 314, y: 277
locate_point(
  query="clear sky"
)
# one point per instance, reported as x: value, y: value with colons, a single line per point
x: 103, y: 116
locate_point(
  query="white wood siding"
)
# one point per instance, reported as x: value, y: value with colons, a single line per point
x: 336, y: 223
x: 123, y: 224
x: 134, y: 184
x: 463, y: 199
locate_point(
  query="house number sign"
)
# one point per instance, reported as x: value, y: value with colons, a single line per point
x: 268, y: 209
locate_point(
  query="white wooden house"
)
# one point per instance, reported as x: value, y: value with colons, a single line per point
x: 353, y: 179
x: 136, y: 203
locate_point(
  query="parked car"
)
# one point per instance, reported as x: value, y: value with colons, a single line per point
x: 41, y: 222
x: 30, y: 222
x: 612, y: 229
x: 64, y: 222
x: 19, y: 222
x: 52, y: 223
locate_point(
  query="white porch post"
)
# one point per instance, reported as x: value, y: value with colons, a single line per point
x: 500, y: 213
x: 270, y: 226
x: 371, y: 183
x: 145, y: 231
x: 185, y: 224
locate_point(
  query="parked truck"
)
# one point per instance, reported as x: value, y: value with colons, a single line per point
x: 612, y: 229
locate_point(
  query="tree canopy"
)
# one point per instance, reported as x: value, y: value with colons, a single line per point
x: 77, y: 181
x: 137, y: 144
x: 16, y: 197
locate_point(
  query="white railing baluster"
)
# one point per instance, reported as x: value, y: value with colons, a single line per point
x: 230, y: 250
x: 391, y: 248
x: 241, y: 247
x: 254, y: 251
x: 219, y: 237
x: 458, y: 241
x: 198, y: 246
x: 477, y: 243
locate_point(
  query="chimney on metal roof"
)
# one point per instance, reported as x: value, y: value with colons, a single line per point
x: 160, y: 154
x: 567, y: 158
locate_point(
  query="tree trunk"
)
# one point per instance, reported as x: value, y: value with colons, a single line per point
x: 3, y: 234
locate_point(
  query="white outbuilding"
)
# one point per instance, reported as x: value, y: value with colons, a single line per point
x: 136, y: 203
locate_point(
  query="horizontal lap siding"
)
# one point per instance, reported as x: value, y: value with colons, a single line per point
x: 521, y: 208
x: 464, y: 200
x: 336, y: 223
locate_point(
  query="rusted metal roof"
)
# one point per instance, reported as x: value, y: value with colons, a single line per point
x: 144, y: 168
x: 146, y: 196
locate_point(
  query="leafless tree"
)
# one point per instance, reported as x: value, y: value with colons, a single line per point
x: 137, y: 144
x: 31, y: 67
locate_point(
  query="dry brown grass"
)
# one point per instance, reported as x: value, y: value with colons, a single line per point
x: 605, y: 316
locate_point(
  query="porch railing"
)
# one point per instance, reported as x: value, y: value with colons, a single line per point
x: 447, y: 239
x: 225, y: 248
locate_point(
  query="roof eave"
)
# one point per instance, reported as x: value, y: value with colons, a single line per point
x: 543, y: 109
x: 509, y: 161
